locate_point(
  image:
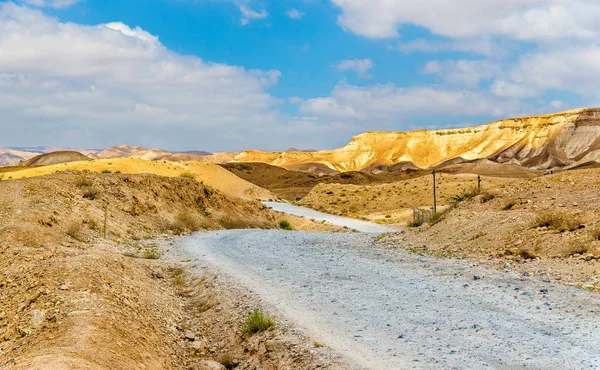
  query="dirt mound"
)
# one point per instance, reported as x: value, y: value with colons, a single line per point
x: 210, y: 174
x: 55, y: 158
x: 486, y: 167
x: 72, y: 299
x: 294, y: 185
x: 545, y: 225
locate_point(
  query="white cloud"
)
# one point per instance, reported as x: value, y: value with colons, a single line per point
x: 513, y: 90
x: 249, y: 14
x: 463, y: 72
x: 391, y: 103
x: 295, y: 13
x: 110, y: 82
x: 533, y: 20
x: 478, y: 45
x: 360, y: 66
x: 57, y: 4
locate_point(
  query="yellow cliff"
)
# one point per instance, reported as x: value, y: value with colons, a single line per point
x: 542, y: 142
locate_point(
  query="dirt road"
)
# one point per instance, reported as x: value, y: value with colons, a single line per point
x: 386, y: 309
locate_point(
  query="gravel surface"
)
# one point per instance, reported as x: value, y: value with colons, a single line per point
x: 387, y: 309
x: 363, y: 226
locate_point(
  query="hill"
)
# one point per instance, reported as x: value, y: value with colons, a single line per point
x: 210, y: 174
x: 538, y: 142
x: 54, y: 158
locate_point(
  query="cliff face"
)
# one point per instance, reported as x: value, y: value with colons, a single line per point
x: 541, y: 142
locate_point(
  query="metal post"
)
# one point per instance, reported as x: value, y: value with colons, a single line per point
x: 434, y: 195
x: 478, y: 184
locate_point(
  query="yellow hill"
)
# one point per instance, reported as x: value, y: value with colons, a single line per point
x: 211, y: 174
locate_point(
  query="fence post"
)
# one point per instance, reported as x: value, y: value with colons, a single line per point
x: 478, y: 184
x: 434, y: 195
x: 105, y: 219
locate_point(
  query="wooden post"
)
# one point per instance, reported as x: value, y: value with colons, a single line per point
x: 434, y: 195
x: 105, y: 219
x: 478, y: 184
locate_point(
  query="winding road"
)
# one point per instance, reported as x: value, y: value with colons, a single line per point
x: 382, y: 308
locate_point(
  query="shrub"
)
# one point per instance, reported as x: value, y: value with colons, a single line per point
x: 486, y: 197
x: 556, y: 221
x: 188, y: 175
x: 465, y: 195
x: 256, y: 322
x: 595, y: 233
x: 90, y: 194
x: 230, y: 223
x: 185, y: 221
x: 152, y: 253
x: 285, y: 225
x: 82, y: 182
x: 228, y: 361
x: 74, y: 231
x: 509, y: 204
x: 576, y: 248
x: 106, y: 171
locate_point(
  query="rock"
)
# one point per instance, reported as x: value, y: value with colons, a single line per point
x: 63, y: 287
x: 37, y: 318
x: 209, y: 365
x: 197, y: 345
x: 589, y: 257
x: 2, y: 315
x: 476, y: 277
x: 7, y: 335
x: 544, y: 291
x: 189, y: 335
x: 273, y: 345
x: 158, y: 273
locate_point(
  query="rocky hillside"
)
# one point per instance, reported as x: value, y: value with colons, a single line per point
x: 540, y: 142
x: 55, y: 158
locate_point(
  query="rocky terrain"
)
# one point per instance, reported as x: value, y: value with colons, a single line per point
x: 541, y: 142
x: 82, y: 286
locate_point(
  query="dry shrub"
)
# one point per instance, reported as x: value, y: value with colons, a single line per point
x: 90, y: 194
x: 228, y: 361
x: 595, y: 233
x: 285, y: 225
x: 557, y: 221
x: 486, y: 197
x: 75, y: 232
x: 82, y: 182
x: 185, y: 222
x: 231, y: 223
x: 576, y: 248
x: 188, y: 175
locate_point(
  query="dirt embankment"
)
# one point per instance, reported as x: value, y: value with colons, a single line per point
x: 546, y: 226
x: 72, y: 299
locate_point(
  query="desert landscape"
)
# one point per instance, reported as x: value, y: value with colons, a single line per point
x: 121, y: 216
x: 299, y: 185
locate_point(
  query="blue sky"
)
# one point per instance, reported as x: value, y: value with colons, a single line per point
x: 243, y: 74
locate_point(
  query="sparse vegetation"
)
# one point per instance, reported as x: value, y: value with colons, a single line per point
x: 285, y: 225
x: 595, y: 233
x: 317, y: 345
x: 106, y: 171
x: 82, y: 181
x: 464, y: 195
x: 185, y: 222
x: 188, y: 175
x: 228, y: 361
x: 557, y: 221
x: 576, y: 248
x: 256, y: 322
x: 151, y: 253
x: 90, y: 194
x: 486, y: 197
x: 75, y: 232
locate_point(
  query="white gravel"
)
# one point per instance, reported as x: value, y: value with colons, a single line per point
x: 363, y: 226
x: 387, y: 309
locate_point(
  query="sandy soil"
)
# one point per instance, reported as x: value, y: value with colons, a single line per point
x: 391, y: 203
x: 72, y: 299
x: 209, y: 173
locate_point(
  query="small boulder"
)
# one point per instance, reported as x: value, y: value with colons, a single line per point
x: 209, y: 365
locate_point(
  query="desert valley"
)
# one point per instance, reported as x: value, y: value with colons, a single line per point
x: 134, y: 258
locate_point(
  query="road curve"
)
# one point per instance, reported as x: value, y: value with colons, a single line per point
x: 351, y: 223
x: 386, y: 309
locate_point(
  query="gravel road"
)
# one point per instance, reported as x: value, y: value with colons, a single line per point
x: 387, y: 309
x: 363, y: 226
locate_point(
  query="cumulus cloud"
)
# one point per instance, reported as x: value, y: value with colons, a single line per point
x: 463, y: 72
x: 360, y: 66
x: 295, y: 13
x: 388, y: 102
x: 532, y: 20
x: 60, y: 79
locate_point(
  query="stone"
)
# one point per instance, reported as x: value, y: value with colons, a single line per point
x: 476, y: 277
x: 37, y: 318
x: 7, y: 335
x: 209, y: 365
x: 63, y: 287
x: 189, y: 335
x: 158, y: 273
x: 590, y: 257
x: 544, y: 291
x: 2, y: 315
x: 197, y: 345
x: 273, y: 345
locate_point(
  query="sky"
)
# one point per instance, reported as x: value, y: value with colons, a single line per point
x: 227, y: 75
